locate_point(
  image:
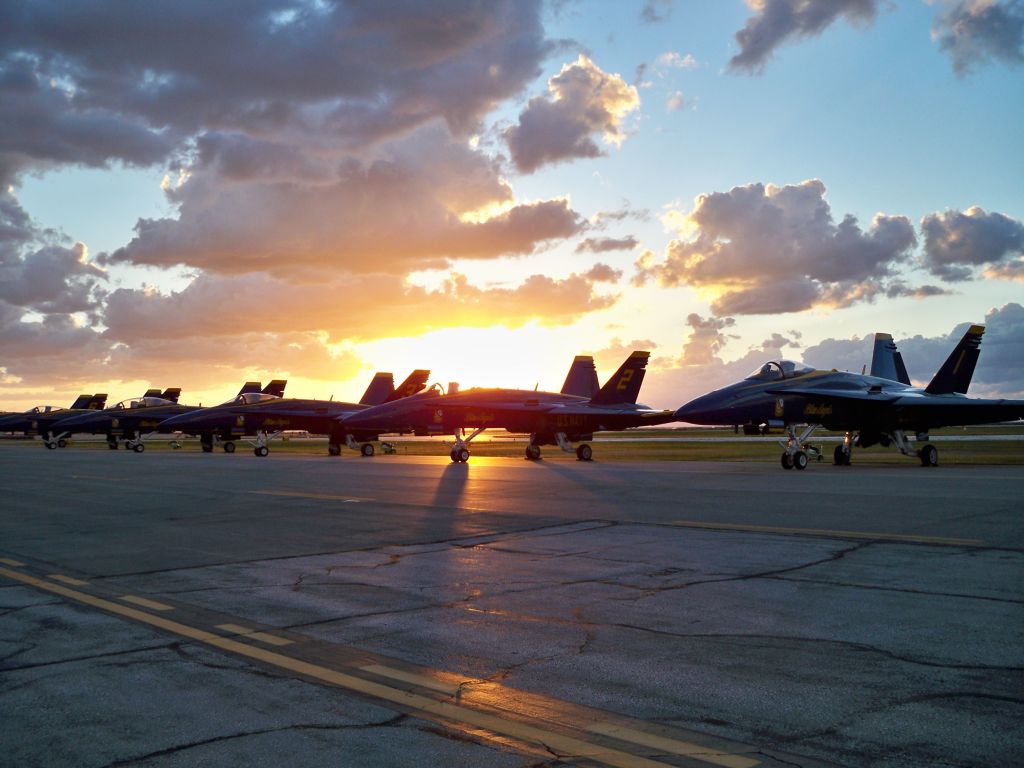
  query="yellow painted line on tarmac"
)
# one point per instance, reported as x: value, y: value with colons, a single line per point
x: 303, y: 495
x: 12, y: 563
x: 568, y: 746
x: 263, y: 637
x: 145, y: 602
x: 672, y: 746
x: 829, y: 532
x: 68, y: 579
x: 410, y: 677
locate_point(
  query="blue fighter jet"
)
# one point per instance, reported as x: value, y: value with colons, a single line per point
x: 868, y: 409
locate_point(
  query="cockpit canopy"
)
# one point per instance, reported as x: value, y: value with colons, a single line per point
x: 46, y: 409
x: 141, y: 402
x: 248, y: 398
x: 776, y: 370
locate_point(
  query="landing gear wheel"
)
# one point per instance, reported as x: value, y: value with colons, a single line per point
x: 333, y: 449
x: 800, y: 460
x: 929, y: 455
x: 62, y: 443
x: 138, y: 447
x: 261, y: 450
x: 787, y: 461
x: 366, y: 449
x: 532, y: 452
x: 207, y: 448
x: 229, y: 447
x: 584, y: 452
x: 454, y: 456
x: 840, y: 457
x: 112, y: 445
x: 50, y: 446
x: 462, y: 455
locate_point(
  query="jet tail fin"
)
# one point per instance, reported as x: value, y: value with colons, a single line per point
x: 97, y: 402
x: 624, y: 385
x: 249, y: 387
x: 886, y: 360
x: 151, y: 393
x: 582, y: 378
x: 171, y: 393
x: 382, y: 386
x: 81, y: 402
x: 416, y: 381
x: 276, y: 387
x: 956, y: 373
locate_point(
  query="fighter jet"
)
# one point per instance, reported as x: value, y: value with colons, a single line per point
x: 266, y: 416
x: 40, y: 420
x: 869, y: 409
x: 132, y: 420
x: 550, y: 418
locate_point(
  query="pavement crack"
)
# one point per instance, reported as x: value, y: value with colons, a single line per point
x: 87, y: 657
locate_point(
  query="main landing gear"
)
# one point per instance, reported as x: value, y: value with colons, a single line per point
x: 798, y: 450
x: 262, y: 438
x: 583, y: 451
x: 460, y: 451
x: 52, y: 443
x: 364, y: 449
x: 136, y: 443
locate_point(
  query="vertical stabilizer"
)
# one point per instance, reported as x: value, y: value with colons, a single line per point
x: 955, y: 374
x: 624, y: 385
x: 416, y: 381
x: 97, y: 402
x: 81, y: 402
x: 382, y: 385
x: 151, y: 393
x: 886, y: 360
x: 171, y: 393
x: 275, y: 387
x: 249, y: 387
x: 582, y: 378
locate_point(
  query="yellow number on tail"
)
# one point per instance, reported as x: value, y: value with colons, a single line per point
x: 627, y: 376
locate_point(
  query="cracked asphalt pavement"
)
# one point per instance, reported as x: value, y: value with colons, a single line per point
x: 843, y: 616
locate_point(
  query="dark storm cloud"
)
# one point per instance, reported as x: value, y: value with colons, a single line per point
x: 956, y: 244
x: 52, y: 279
x: 582, y: 101
x: 776, y: 22
x: 974, y: 31
x: 767, y: 250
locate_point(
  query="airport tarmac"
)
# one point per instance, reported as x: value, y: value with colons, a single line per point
x: 180, y: 609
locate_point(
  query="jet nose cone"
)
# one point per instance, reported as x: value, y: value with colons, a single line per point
x: 698, y: 410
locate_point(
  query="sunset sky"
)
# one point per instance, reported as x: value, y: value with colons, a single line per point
x: 194, y: 194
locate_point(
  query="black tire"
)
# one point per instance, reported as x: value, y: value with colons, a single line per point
x: 840, y: 457
x: 929, y: 455
x: 229, y: 447
x: 787, y: 462
x: 455, y: 458
x: 333, y: 449
x: 584, y: 452
x: 207, y: 448
x: 261, y: 451
x: 112, y: 445
x: 462, y: 454
x: 50, y: 446
x: 62, y: 443
x: 800, y: 460
x: 533, y: 452
x: 366, y: 449
x: 139, y: 447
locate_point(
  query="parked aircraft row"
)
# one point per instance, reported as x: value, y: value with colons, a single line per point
x: 880, y: 407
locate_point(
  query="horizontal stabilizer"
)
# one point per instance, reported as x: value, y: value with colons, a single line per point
x: 81, y: 402
x: 582, y: 378
x: 381, y: 387
x: 886, y: 360
x: 956, y: 373
x: 171, y: 393
x: 276, y: 387
x: 250, y: 387
x: 624, y: 385
x: 416, y: 381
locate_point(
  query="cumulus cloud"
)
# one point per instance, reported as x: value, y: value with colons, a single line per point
x: 776, y: 22
x: 605, y: 244
x: 608, y: 359
x: 767, y: 250
x: 358, y: 72
x: 957, y: 243
x: 675, y: 102
x: 52, y: 279
x: 975, y: 31
x: 707, y: 337
x: 582, y: 101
